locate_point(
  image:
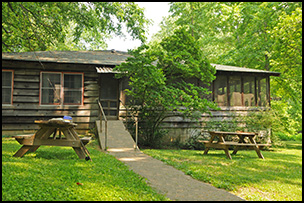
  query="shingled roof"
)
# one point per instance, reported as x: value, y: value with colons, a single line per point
x: 100, y: 58
x: 105, y: 57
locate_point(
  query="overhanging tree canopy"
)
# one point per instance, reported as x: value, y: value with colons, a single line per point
x: 31, y: 26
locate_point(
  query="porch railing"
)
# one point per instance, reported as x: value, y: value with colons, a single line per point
x: 136, y: 125
x: 102, y: 114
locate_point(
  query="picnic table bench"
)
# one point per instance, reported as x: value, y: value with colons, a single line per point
x: 221, y: 143
x: 54, y: 132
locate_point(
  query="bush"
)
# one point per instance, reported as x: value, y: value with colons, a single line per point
x: 286, y: 137
x: 149, y: 134
x: 193, y: 143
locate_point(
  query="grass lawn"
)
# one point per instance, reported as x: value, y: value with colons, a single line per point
x: 277, y: 177
x: 52, y: 174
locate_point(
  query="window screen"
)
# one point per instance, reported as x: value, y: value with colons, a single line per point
x: 220, y: 90
x: 261, y: 91
x: 72, y: 88
x: 61, y: 88
x: 51, y: 88
x: 235, y: 91
x: 249, y: 96
x: 7, y: 83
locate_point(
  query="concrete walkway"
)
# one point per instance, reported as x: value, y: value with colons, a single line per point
x: 164, y: 178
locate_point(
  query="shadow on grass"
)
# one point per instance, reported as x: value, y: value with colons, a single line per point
x: 60, y: 153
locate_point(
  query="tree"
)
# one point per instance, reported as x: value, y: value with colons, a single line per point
x: 159, y: 80
x: 29, y: 26
x: 287, y: 59
x: 260, y: 35
x: 233, y: 33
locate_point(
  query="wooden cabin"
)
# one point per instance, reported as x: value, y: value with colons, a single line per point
x: 50, y: 84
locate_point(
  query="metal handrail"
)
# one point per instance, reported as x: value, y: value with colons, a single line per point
x: 136, y: 125
x: 106, y: 126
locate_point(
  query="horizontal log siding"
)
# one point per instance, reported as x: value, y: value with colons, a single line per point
x: 182, y: 129
x: 20, y: 116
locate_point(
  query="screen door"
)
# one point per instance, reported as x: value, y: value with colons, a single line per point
x: 109, y: 87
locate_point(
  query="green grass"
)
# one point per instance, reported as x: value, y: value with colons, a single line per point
x: 277, y: 177
x: 52, y: 174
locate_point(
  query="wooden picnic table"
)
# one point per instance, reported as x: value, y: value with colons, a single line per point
x: 221, y: 143
x: 54, y: 132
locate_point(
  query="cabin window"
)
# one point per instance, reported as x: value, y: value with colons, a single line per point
x: 59, y: 88
x: 235, y: 91
x: 220, y: 90
x: 72, y: 88
x: 261, y: 91
x: 7, y: 86
x: 51, y: 88
x: 242, y: 90
x: 249, y: 86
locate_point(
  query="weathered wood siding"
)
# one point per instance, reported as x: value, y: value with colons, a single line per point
x: 182, y: 129
x: 26, y: 109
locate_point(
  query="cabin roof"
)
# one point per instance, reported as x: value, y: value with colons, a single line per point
x: 100, y: 58
x: 226, y: 68
x: 105, y: 57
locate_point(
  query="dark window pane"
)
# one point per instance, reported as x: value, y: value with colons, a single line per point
x: 249, y: 98
x: 51, y: 88
x: 220, y: 90
x: 72, y: 89
x: 6, y: 95
x: 50, y: 79
x: 6, y: 79
x: 261, y: 90
x: 72, y: 81
x: 7, y: 82
x: 235, y: 91
x: 72, y: 97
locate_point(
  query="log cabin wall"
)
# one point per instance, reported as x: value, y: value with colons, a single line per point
x: 180, y: 129
x: 237, y: 94
x: 25, y: 109
x: 19, y: 115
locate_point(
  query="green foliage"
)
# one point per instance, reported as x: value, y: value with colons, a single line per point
x: 32, y: 26
x: 229, y: 124
x: 261, y: 35
x: 159, y: 81
x: 287, y: 59
x: 52, y: 174
x: 278, y: 177
x: 193, y: 143
x: 287, y: 137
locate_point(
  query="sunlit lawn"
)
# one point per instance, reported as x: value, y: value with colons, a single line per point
x: 277, y: 177
x: 52, y: 174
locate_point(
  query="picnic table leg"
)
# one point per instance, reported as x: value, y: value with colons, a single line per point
x: 256, y: 148
x: 222, y: 140
x: 210, y: 141
x: 22, y: 151
x: 80, y: 152
x: 83, y: 148
x: 206, y: 150
x: 34, y: 148
x: 227, y: 153
x: 236, y: 149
